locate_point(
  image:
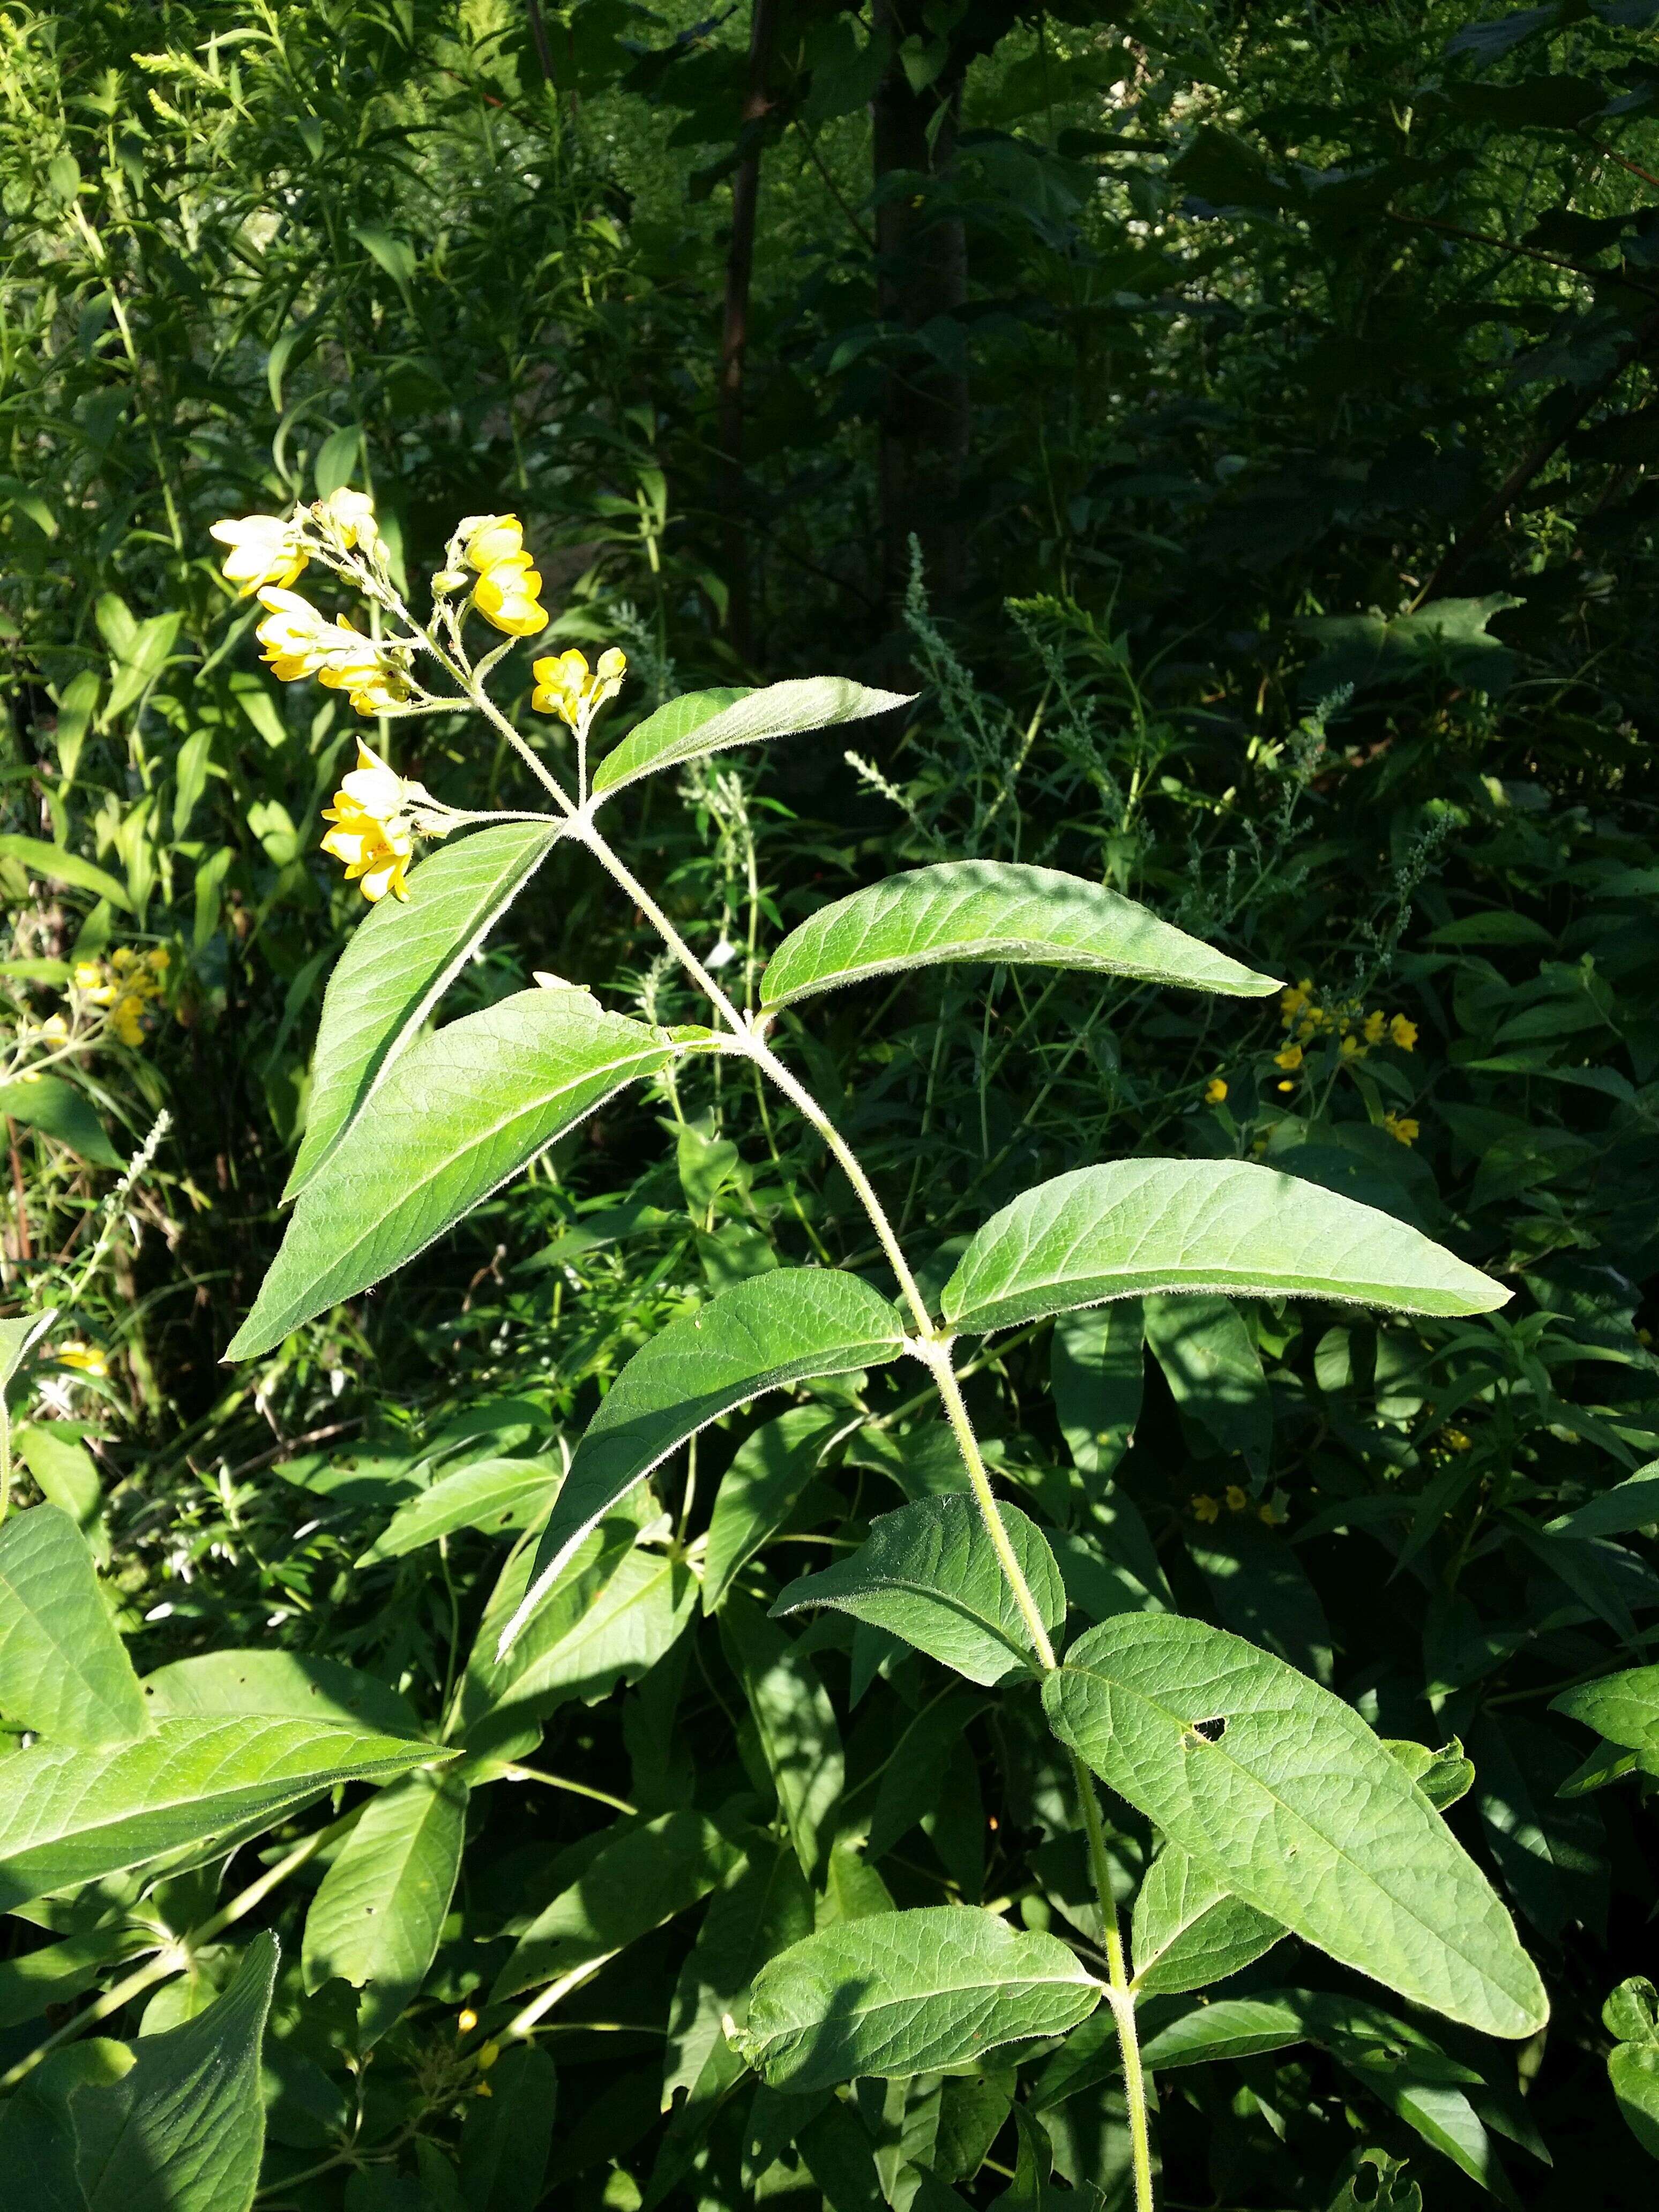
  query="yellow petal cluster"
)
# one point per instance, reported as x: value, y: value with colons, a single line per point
x: 86, y: 1357
x: 347, y: 518
x: 265, y: 549
x: 125, y: 983
x: 567, y: 687
x: 371, y: 834
x: 507, y: 591
x: 1215, y: 1090
x: 300, y: 640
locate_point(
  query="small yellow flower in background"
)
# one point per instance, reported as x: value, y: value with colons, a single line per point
x: 265, y: 549
x: 1351, y: 1049
x: 127, y: 1019
x: 1376, y: 1022
x: 86, y: 1357
x: 1402, y: 1127
x: 1456, y: 1440
x: 1215, y: 1090
x: 87, y: 975
x: 371, y: 834
x: 1286, y: 1085
x: 466, y: 2021
x: 507, y: 591
x: 1290, y: 1059
x: 1293, y: 999
x: 158, y: 959
x: 565, y: 685
x: 1236, y: 1498
x: 1265, y: 1512
x: 1204, y: 1507
x: 54, y: 1030
x: 1404, y: 1033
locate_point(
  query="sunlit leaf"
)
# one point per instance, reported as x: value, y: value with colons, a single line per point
x: 683, y: 730
x: 65, y: 1672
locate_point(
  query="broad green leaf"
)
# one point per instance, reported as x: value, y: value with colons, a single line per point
x: 492, y: 1672
x: 780, y: 1327
x: 1231, y: 2027
x: 278, y: 1685
x: 460, y: 1112
x: 759, y: 1492
x: 493, y: 1494
x: 930, y: 1574
x: 65, y: 1672
x: 1188, y: 1931
x: 66, y: 1474
x: 908, y: 1993
x: 57, y: 1973
x: 184, y: 2130
x: 1623, y: 1707
x: 1281, y: 1789
x: 1632, y: 1503
x: 794, y: 1725
x: 1214, y: 1371
x: 913, y: 1773
x: 58, y: 866
x: 685, y: 730
x: 1142, y: 1226
x: 1633, y: 2072
x: 1443, y: 1776
x: 1097, y: 1370
x: 993, y: 910
x: 505, y: 2136
x: 762, y: 1911
x: 376, y: 1920
x: 68, y: 1816
x: 645, y: 1878
x: 58, y: 1110
x: 1262, y: 1591
x: 400, y: 961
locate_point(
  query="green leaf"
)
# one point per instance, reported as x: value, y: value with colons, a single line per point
x: 376, y: 1920
x: 505, y: 2136
x: 908, y: 1993
x: 1141, y: 1226
x: 1633, y: 2072
x: 1214, y: 1373
x: 1281, y: 1789
x: 184, y: 2130
x: 766, y: 1907
x: 1632, y: 1503
x: 1262, y: 1591
x: 758, y: 1491
x: 1190, y: 1931
x: 1443, y: 1776
x: 1096, y: 1370
x: 1623, y: 1707
x: 278, y: 1685
x: 57, y: 1973
x: 930, y: 1574
x: 460, y: 1112
x: 1232, y: 2027
x: 711, y: 721
x: 993, y: 910
x: 794, y: 1725
x: 399, y: 964
x: 61, y: 1112
x: 58, y: 866
x: 782, y: 1327
x: 65, y: 1672
x: 493, y: 1494
x: 644, y: 1878
x: 68, y: 1816
x: 66, y: 1474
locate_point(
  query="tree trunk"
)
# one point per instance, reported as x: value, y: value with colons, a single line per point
x: 921, y: 273
x: 734, y: 332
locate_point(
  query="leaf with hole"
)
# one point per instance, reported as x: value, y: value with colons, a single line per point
x: 398, y: 963
x: 1144, y: 1226
x: 1281, y: 1789
x: 993, y: 910
x: 779, y: 1327
x: 712, y: 721
x: 908, y: 1993
x: 461, y: 1112
x: 930, y: 1573
x: 68, y: 1816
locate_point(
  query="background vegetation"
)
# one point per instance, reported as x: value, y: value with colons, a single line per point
x: 1236, y: 425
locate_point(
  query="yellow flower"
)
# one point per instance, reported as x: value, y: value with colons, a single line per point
x: 1286, y: 1086
x: 1293, y: 998
x: 87, y: 975
x: 348, y: 517
x: 1456, y: 1440
x: 1290, y: 1060
x: 293, y: 633
x: 1402, y: 1127
x: 1351, y: 1049
x: 1215, y: 1090
x: 1265, y: 1512
x: 371, y: 836
x: 126, y: 1020
x: 1204, y: 1507
x: 507, y: 593
x: 265, y: 549
x: 1376, y: 1022
x: 1236, y: 1498
x: 86, y: 1357
x: 300, y: 641
x: 1404, y: 1033
x: 565, y: 685
x: 54, y: 1030
x: 159, y: 958
x: 466, y: 2021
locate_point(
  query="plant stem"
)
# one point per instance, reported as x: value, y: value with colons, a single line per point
x: 1121, y: 1995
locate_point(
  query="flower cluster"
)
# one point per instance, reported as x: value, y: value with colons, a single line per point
x: 265, y: 549
x: 1236, y: 1499
x: 372, y: 833
x: 300, y: 642
x: 507, y: 591
x: 1358, y: 1034
x: 124, y: 984
x: 565, y: 685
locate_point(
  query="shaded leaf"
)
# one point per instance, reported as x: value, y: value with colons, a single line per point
x: 492, y: 1494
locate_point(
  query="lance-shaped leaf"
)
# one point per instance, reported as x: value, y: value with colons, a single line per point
x: 1623, y: 1707
x: 1281, y: 1789
x: 399, y: 962
x: 493, y: 1494
x: 57, y: 1110
x: 1190, y: 1931
x: 908, y: 1993
x: 68, y: 1816
x: 376, y: 1920
x: 779, y: 1327
x: 184, y: 2129
x: 930, y: 1573
x: 995, y: 911
x: 711, y: 721
x: 460, y: 1112
x: 1141, y: 1226
x: 65, y: 1672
